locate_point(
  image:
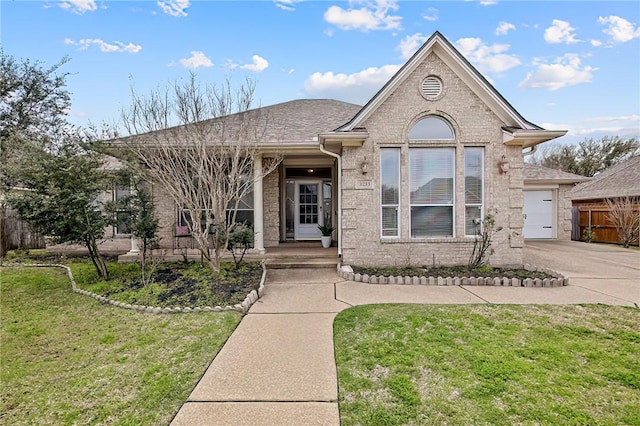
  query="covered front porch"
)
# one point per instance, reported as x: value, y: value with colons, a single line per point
x: 292, y: 202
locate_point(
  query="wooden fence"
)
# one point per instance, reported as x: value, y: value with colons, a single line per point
x: 16, y: 234
x: 596, y: 218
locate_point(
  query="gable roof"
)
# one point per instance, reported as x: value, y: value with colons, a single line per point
x: 620, y: 180
x: 516, y: 128
x: 534, y: 173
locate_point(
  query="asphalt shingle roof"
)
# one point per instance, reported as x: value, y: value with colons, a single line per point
x: 302, y: 120
x: 533, y: 172
x: 621, y: 180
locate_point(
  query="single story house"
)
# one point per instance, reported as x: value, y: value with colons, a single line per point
x: 547, y: 209
x: 588, y: 198
x: 404, y: 178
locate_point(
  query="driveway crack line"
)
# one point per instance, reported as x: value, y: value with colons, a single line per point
x: 479, y: 297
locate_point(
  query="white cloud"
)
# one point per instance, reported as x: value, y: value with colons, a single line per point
x: 432, y: 16
x: 372, y: 15
x: 504, y: 28
x: 619, y: 28
x: 609, y: 118
x: 174, y: 7
x: 358, y: 87
x: 288, y: 71
x: 410, y: 44
x: 230, y: 65
x: 116, y: 46
x: 560, y: 32
x: 79, y: 6
x: 566, y: 70
x: 626, y: 126
x: 198, y: 59
x: 259, y: 64
x: 488, y: 2
x: 596, y: 43
x: 288, y: 5
x: 492, y: 59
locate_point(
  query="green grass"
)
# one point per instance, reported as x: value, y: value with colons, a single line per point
x: 488, y: 365
x: 67, y: 359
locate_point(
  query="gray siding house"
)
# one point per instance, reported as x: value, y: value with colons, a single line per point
x: 403, y: 179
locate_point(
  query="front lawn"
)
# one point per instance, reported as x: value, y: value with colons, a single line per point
x: 488, y: 365
x: 67, y: 359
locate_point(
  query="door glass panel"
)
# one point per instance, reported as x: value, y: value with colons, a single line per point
x: 308, y: 205
x: 290, y: 208
x: 326, y: 202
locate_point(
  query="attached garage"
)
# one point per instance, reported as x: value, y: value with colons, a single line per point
x: 547, y: 210
x: 539, y: 207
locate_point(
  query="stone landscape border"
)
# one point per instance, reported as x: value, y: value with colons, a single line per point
x: 558, y: 280
x: 243, y: 307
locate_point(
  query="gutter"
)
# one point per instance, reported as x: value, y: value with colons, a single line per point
x: 339, y: 177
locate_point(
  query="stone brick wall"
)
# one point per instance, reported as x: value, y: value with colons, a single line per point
x: 474, y: 125
x: 271, y: 202
x: 564, y: 213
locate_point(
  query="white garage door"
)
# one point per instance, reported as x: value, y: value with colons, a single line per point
x: 538, y: 214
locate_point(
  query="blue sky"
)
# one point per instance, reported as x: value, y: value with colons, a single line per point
x: 571, y: 65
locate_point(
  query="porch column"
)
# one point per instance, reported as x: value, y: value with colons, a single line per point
x: 134, y: 246
x: 135, y: 250
x: 258, y: 205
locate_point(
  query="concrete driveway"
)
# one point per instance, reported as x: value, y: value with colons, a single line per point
x: 602, y: 268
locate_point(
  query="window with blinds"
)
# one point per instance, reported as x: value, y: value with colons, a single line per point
x: 473, y: 189
x: 431, y: 186
x: 390, y: 191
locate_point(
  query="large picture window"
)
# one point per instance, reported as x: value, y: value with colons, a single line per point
x: 473, y: 190
x: 431, y: 187
x: 390, y: 191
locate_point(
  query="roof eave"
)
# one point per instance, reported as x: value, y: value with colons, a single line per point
x: 554, y: 181
x: 349, y: 139
x: 526, y: 138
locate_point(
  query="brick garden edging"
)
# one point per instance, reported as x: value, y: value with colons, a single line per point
x: 243, y: 307
x: 558, y: 280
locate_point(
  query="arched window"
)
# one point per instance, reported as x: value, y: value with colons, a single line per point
x: 431, y: 127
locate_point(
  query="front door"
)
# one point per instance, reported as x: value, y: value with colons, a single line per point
x: 308, y: 209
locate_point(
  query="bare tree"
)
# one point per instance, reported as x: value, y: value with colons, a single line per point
x: 200, y: 144
x: 624, y: 214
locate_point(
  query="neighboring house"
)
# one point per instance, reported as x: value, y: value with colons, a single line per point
x: 547, y: 209
x: 406, y: 178
x: 614, y: 183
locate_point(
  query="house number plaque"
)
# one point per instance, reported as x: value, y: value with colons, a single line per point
x: 364, y: 184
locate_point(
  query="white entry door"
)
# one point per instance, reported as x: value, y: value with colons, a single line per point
x: 308, y: 209
x: 538, y: 214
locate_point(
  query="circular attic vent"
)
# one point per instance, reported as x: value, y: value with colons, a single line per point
x: 431, y: 87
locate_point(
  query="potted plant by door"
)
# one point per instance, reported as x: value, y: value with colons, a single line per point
x: 326, y: 231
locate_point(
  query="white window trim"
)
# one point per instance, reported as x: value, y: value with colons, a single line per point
x: 397, y: 206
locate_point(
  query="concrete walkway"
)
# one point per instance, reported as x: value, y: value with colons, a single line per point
x: 278, y: 367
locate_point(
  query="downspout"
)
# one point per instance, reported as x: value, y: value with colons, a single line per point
x: 339, y: 215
